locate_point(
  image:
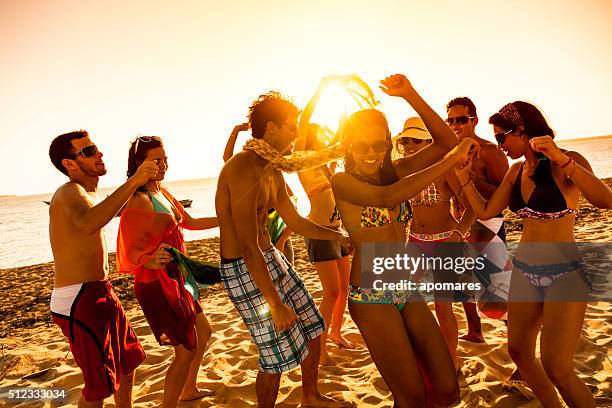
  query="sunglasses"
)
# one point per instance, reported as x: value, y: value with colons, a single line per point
x: 88, y: 151
x: 144, y: 139
x: 460, y: 120
x: 501, y: 137
x: 379, y: 146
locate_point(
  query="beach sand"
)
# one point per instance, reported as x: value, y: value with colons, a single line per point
x: 32, y: 345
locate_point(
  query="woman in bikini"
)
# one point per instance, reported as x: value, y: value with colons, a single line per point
x: 331, y: 261
x: 402, y: 336
x: 433, y: 221
x: 151, y: 221
x: 543, y: 189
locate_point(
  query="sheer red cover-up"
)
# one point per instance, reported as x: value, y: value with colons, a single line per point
x: 140, y: 234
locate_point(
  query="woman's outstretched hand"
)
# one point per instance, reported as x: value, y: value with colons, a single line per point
x: 396, y: 85
x: 463, y: 154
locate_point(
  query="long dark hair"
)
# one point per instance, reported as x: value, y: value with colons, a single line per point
x: 355, y: 124
x: 535, y: 124
x: 138, y: 151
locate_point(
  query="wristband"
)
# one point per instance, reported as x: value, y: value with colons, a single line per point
x: 569, y: 160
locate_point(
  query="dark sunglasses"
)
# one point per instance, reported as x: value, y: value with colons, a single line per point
x: 88, y: 151
x: 501, y: 136
x: 460, y: 120
x: 406, y: 140
x: 379, y: 146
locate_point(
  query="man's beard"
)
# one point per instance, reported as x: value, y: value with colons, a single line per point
x: 91, y: 172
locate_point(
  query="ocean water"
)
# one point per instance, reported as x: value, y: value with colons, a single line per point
x: 24, y: 220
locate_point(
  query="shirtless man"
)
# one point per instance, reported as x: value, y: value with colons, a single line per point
x: 83, y: 303
x: 488, y: 171
x: 280, y: 314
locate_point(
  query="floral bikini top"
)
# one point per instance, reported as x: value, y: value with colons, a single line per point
x: 429, y: 196
x: 381, y: 216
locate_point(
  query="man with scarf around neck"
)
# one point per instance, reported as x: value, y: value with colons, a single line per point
x: 280, y: 314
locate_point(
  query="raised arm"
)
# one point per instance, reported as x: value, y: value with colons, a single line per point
x: 483, y: 209
x: 300, y: 142
x: 348, y: 188
x: 577, y: 169
x: 467, y: 217
x: 444, y: 138
x: 496, y: 167
x: 231, y: 141
x: 90, y: 218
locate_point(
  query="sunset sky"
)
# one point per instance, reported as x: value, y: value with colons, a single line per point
x: 188, y: 70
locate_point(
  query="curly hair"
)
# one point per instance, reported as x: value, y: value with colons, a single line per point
x: 463, y: 101
x: 353, y: 125
x: 271, y: 106
x: 61, y: 148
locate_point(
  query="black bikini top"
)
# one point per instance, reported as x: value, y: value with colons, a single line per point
x: 546, y: 201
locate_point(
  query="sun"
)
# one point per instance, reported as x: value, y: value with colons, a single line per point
x: 333, y: 105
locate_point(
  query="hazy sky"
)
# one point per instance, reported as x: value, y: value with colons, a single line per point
x: 188, y: 70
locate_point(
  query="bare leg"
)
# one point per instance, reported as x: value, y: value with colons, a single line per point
x: 311, y: 397
x: 449, y: 328
x: 90, y: 404
x: 176, y: 375
x: 190, y: 390
x: 328, y: 275
x: 474, y: 333
x: 335, y: 334
x: 383, y: 330
x: 560, y: 334
x: 524, y: 323
x: 123, y: 396
x: 430, y: 350
x: 266, y: 387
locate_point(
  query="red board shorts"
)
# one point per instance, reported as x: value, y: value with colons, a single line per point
x: 101, y: 339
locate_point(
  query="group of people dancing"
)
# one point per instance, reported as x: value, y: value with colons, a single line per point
x: 435, y: 182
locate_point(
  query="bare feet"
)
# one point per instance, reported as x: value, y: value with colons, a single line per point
x: 193, y: 395
x: 321, y: 401
x: 515, y: 376
x: 326, y: 360
x: 341, y: 341
x: 473, y: 337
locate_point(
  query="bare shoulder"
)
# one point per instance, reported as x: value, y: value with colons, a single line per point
x: 139, y: 201
x: 242, y: 170
x: 338, y: 179
x: 489, y: 149
x: 513, y: 171
x: 70, y: 193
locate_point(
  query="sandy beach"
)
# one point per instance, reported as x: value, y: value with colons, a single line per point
x: 33, y: 347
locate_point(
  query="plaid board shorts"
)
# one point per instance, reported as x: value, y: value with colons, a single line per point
x: 278, y: 352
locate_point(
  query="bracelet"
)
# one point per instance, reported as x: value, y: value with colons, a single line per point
x: 569, y: 160
x: 468, y: 182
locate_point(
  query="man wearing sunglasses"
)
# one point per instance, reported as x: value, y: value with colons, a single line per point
x: 488, y: 171
x: 276, y: 307
x: 83, y: 303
